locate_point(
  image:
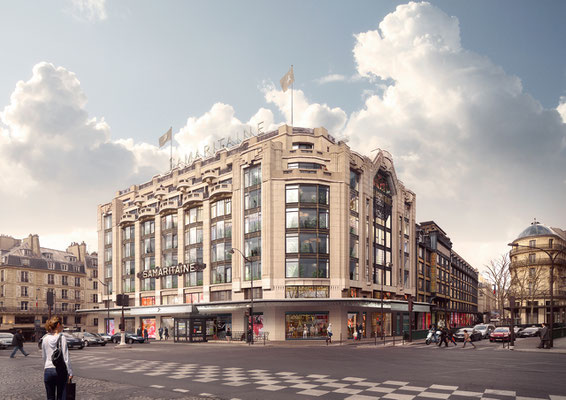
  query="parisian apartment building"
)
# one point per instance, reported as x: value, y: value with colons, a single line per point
x: 445, y: 280
x: 28, y: 272
x: 536, y: 252
x: 313, y: 232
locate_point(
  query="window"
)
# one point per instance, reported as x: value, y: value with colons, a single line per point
x: 50, y: 279
x: 221, y: 208
x: 192, y: 298
x: 193, y: 255
x: 148, y: 228
x: 128, y: 233
x: 64, y: 280
x: 64, y: 307
x: 304, y: 165
x: 24, y: 291
x: 128, y: 249
x: 169, y: 282
x: 221, y: 295
x: 108, y: 221
x: 147, y: 284
x: 252, y: 176
x: 532, y: 258
x: 354, y: 270
x: 169, y: 241
x: 108, y: 254
x: 194, y: 215
x: 252, y: 222
x: 77, y: 281
x: 307, y: 292
x: 252, y: 247
x: 64, y: 294
x: 532, y: 243
x: 129, y: 285
x: 129, y: 267
x: 302, y: 145
x: 254, y: 266
x: 306, y: 268
x: 148, y: 263
x: 23, y: 306
x: 252, y: 199
x: 77, y: 307
x: 221, y: 273
x: 194, y: 278
x: 148, y: 245
x: 169, y: 259
x: 108, y: 238
x: 24, y: 276
x: 169, y: 222
x: 195, y: 235
x: 354, y: 181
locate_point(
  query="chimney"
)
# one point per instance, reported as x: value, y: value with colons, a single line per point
x: 33, y: 243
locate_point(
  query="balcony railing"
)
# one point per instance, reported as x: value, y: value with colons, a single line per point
x: 192, y: 197
x: 168, y: 205
x: 210, y: 175
x: 185, y: 184
x: 36, y: 310
x: 138, y: 200
x: 128, y: 218
x: 526, y: 249
x: 160, y: 192
x: 537, y: 262
x: 223, y: 188
x: 147, y: 212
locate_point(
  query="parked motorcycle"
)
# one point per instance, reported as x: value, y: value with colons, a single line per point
x: 432, y: 337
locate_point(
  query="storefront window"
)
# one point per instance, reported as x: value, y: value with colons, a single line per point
x: 306, y: 325
x: 306, y: 292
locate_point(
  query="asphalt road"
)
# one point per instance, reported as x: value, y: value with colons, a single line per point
x: 334, y: 372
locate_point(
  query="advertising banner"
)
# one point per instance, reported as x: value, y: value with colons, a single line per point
x: 149, y: 324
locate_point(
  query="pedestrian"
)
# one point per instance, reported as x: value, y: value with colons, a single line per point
x: 160, y: 333
x: 18, y: 343
x: 468, y: 339
x: 305, y: 331
x: 55, y: 377
x: 329, y: 334
x: 544, y: 337
x: 166, y: 333
x: 228, y: 334
x: 443, y: 337
x: 145, y: 336
x: 139, y: 331
x: 451, y: 337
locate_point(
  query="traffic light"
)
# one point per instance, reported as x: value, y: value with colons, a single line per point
x: 122, y: 300
x: 50, y: 298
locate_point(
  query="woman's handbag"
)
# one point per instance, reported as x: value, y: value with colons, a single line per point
x: 71, y: 390
x: 57, y: 358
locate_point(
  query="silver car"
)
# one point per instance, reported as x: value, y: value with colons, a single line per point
x: 5, y: 340
x: 484, y: 329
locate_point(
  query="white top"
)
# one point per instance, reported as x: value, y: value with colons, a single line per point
x: 49, y: 344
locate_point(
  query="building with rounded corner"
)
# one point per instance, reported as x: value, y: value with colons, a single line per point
x: 321, y: 234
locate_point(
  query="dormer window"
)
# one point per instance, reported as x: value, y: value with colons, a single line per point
x: 64, y: 267
x: 49, y: 256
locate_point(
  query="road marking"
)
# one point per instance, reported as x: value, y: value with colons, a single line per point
x: 500, y: 392
x: 180, y: 390
x: 442, y: 387
x: 313, y: 392
x: 397, y: 383
x: 157, y: 386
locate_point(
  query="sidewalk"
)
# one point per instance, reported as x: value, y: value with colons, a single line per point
x: 530, y: 345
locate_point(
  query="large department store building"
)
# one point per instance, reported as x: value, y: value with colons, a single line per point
x: 328, y: 236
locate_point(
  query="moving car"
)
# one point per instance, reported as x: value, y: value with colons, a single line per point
x: 72, y: 342
x: 107, y: 338
x: 5, y: 340
x: 474, y: 334
x: 502, y: 334
x: 90, y: 339
x: 484, y: 329
x: 130, y: 338
x: 530, y: 332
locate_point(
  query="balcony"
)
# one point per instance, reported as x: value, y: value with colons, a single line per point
x: 128, y: 219
x: 223, y: 188
x: 36, y: 310
x: 526, y: 249
x: 138, y: 200
x: 160, y: 192
x: 539, y: 261
x: 147, y: 212
x: 192, y: 197
x: 168, y: 205
x: 210, y: 175
x: 184, y: 185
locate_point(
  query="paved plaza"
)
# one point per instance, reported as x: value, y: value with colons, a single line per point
x: 305, y: 370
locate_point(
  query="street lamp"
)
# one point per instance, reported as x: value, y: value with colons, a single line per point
x: 552, y: 254
x: 247, y: 260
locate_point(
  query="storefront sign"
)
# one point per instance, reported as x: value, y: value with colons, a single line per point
x: 173, y: 270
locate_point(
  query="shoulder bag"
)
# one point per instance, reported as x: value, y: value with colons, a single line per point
x: 57, y: 358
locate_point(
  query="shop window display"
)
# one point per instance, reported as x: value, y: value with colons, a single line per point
x: 307, y: 325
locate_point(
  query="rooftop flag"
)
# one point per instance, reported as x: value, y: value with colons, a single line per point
x: 166, y: 137
x: 287, y: 79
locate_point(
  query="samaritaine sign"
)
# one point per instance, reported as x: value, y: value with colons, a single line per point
x: 173, y: 270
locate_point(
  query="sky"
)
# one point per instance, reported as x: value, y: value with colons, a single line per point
x: 468, y: 97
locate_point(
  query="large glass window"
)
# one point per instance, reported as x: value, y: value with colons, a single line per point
x: 252, y: 246
x: 252, y: 222
x: 304, y: 165
x: 306, y: 325
x: 252, y: 176
x: 252, y: 199
x: 194, y: 215
x: 254, y: 266
x: 128, y: 249
x: 128, y: 233
x: 169, y: 222
x: 382, y: 211
x: 221, y: 273
x: 170, y: 282
x: 169, y: 241
x: 170, y: 259
x: 148, y: 228
x: 306, y: 268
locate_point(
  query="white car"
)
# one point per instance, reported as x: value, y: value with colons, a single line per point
x: 5, y: 340
x: 485, y: 329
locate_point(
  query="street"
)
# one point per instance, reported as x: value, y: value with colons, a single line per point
x: 288, y: 370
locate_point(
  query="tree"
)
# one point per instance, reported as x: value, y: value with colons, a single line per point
x: 498, y: 274
x: 528, y: 284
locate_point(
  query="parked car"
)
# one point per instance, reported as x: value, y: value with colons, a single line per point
x: 130, y: 338
x: 90, y: 339
x: 107, y: 338
x: 485, y: 329
x: 502, y: 334
x: 72, y: 342
x: 474, y: 334
x: 530, y: 332
x: 5, y: 340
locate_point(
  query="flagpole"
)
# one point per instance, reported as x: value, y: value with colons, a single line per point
x: 292, y: 88
x: 171, y: 158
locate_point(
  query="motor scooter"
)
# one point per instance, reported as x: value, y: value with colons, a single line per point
x: 432, y: 337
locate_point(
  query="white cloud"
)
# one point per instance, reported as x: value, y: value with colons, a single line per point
x: 465, y: 137
x: 562, y: 108
x: 89, y: 10
x: 57, y: 163
x: 330, y: 78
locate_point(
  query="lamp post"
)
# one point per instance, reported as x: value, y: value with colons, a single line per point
x: 107, y: 306
x: 247, y: 260
x: 552, y: 254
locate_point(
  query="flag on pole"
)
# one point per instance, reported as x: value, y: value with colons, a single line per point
x: 165, y: 138
x: 287, y: 79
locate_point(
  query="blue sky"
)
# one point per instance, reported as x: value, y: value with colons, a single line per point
x: 143, y: 66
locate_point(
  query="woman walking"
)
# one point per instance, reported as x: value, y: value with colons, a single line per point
x: 55, y: 376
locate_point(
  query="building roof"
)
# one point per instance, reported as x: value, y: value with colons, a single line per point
x: 536, y: 229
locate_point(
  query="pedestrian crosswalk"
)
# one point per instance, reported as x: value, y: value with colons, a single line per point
x: 190, y: 375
